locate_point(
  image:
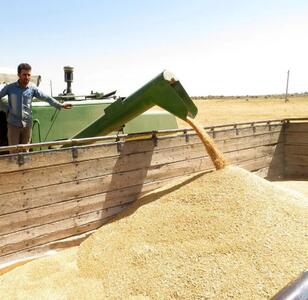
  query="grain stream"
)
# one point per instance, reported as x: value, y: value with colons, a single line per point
x: 210, y: 147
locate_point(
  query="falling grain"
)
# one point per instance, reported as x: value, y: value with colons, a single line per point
x: 212, y: 150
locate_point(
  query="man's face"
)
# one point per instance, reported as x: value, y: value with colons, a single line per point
x: 24, y: 77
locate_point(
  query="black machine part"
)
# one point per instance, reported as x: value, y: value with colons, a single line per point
x: 3, y: 129
x: 295, y: 290
x: 68, y: 78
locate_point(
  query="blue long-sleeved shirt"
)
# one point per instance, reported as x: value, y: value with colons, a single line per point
x: 20, y: 103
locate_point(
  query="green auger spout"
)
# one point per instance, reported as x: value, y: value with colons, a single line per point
x: 164, y: 90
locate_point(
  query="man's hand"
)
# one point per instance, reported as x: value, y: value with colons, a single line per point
x: 67, y: 105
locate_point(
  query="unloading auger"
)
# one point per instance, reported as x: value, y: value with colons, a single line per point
x: 164, y: 90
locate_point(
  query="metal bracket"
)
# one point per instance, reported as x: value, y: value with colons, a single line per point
x: 186, y: 136
x: 285, y: 124
x: 154, y: 138
x: 253, y: 127
x: 74, y: 152
x: 213, y: 132
x: 236, y: 129
x: 20, y: 159
x: 118, y: 144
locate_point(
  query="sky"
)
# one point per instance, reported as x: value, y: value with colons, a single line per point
x: 220, y: 47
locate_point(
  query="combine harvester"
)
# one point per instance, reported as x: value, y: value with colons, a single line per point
x: 77, y: 178
x: 50, y: 124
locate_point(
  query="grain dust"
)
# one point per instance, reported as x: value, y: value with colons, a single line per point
x: 227, y: 234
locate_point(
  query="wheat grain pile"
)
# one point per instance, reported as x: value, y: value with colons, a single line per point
x: 227, y: 234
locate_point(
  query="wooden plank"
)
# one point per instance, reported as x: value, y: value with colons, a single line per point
x: 49, y: 232
x: 268, y: 128
x: 31, y: 246
x: 297, y: 138
x: 33, y: 178
x: 9, y: 163
x: 37, y: 235
x: 254, y: 158
x: 20, y: 220
x: 271, y: 159
x: 297, y: 159
x: 38, y: 251
x: 36, y: 216
x: 246, y: 131
x: 259, y: 163
x: 49, y: 213
x: 296, y: 127
x: 253, y: 153
x: 217, y: 134
x: 276, y: 166
x: 57, y: 174
x: 254, y: 165
x: 296, y: 149
x: 41, y: 234
x: 269, y: 138
x: 17, y: 258
x: 21, y: 200
x: 76, y: 239
x: 296, y: 171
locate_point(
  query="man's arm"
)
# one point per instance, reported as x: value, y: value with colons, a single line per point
x: 53, y: 102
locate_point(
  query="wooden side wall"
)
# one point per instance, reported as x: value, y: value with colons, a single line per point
x: 49, y: 196
x: 296, y: 150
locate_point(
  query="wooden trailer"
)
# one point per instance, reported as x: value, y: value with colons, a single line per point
x: 54, y: 198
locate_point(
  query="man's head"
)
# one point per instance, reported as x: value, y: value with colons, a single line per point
x: 24, y: 74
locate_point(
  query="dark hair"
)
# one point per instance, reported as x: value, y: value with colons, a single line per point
x: 23, y: 66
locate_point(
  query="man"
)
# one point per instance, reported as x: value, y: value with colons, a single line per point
x: 20, y: 95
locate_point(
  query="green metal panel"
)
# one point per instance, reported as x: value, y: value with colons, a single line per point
x: 52, y: 124
x: 151, y: 120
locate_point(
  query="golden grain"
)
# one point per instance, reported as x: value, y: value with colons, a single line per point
x: 227, y: 234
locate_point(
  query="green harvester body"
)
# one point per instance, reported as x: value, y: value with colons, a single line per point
x: 164, y: 91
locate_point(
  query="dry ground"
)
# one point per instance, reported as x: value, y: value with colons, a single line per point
x: 231, y: 110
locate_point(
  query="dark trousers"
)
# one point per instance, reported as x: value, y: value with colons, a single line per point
x: 18, y: 135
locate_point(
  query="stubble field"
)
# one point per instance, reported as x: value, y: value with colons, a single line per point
x: 232, y: 110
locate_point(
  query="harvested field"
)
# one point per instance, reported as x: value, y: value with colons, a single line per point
x: 227, y: 234
x: 232, y: 110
